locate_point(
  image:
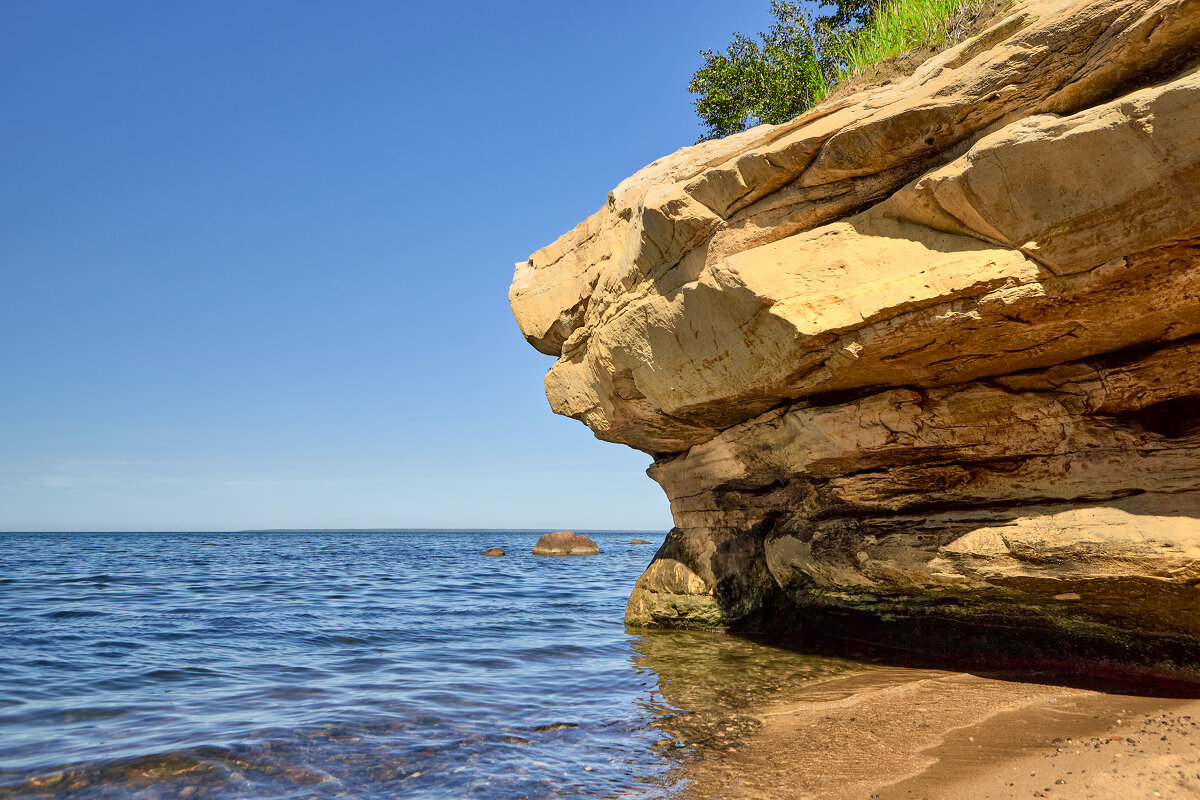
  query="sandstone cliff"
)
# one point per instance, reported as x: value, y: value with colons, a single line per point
x: 929, y: 354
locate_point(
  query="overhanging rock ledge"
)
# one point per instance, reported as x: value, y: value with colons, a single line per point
x: 921, y: 367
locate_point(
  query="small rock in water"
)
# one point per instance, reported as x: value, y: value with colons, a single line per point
x: 638, y: 541
x: 565, y: 543
x: 495, y: 552
x: 555, y: 726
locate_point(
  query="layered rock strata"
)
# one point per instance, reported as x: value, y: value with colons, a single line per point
x: 931, y: 352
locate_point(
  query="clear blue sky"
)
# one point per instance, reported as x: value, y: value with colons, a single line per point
x: 254, y: 256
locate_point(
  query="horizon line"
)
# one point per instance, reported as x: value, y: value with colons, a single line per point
x: 358, y: 530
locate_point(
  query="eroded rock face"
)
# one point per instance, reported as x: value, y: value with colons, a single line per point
x: 933, y: 351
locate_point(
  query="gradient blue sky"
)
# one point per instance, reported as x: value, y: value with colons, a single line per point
x: 254, y: 256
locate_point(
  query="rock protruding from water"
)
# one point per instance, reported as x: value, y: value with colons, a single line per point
x: 494, y: 552
x: 638, y: 541
x: 929, y: 352
x: 565, y: 543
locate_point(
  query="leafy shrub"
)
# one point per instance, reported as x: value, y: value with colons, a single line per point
x: 800, y: 60
x: 790, y: 69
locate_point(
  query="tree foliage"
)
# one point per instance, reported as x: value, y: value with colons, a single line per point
x: 851, y: 14
x: 785, y: 71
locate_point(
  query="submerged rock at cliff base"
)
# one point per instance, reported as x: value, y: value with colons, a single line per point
x: 923, y: 361
x: 565, y: 543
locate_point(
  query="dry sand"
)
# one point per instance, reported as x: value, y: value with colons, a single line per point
x: 904, y: 734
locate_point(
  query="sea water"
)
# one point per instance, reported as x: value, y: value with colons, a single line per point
x: 354, y: 664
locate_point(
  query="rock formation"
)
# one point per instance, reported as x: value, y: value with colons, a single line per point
x: 493, y: 552
x: 565, y: 543
x: 924, y: 359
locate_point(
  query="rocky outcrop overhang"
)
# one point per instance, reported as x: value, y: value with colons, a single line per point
x: 931, y: 352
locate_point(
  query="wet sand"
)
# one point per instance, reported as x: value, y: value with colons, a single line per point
x: 905, y: 734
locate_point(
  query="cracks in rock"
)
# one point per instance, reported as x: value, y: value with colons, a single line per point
x: 1073, y: 333
x: 990, y: 38
x: 928, y: 508
x: 573, y: 249
x: 1174, y: 418
x: 901, y: 354
x: 801, y: 487
x: 1110, y: 361
x: 786, y: 397
x: 965, y: 357
x: 1171, y: 64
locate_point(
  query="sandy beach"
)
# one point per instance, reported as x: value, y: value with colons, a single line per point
x: 905, y: 734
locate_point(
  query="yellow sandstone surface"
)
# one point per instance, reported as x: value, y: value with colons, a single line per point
x: 929, y: 352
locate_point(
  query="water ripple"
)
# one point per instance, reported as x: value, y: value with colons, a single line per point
x: 369, y: 665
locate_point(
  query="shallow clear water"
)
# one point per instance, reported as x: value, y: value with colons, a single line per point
x: 305, y: 665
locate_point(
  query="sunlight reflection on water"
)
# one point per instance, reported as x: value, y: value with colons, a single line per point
x: 304, y: 665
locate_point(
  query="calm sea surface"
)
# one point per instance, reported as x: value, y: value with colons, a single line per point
x: 366, y: 665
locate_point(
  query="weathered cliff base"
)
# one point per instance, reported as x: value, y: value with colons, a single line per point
x: 922, y: 367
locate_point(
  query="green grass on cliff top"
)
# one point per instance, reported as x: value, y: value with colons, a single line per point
x: 798, y: 62
x: 904, y: 25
